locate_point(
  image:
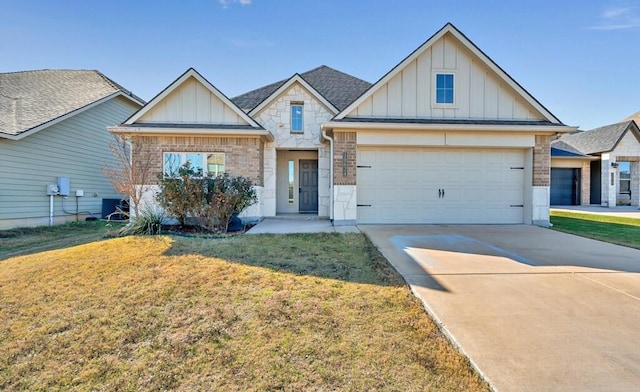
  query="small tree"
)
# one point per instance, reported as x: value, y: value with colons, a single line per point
x: 131, y: 170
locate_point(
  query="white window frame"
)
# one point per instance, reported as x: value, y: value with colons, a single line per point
x: 291, y: 105
x: 435, y: 104
x: 183, y: 160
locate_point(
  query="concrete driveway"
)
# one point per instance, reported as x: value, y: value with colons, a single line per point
x: 533, y: 309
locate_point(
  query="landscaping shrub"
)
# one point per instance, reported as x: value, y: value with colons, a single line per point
x: 205, y: 201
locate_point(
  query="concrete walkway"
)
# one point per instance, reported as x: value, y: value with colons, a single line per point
x: 299, y: 224
x: 623, y: 211
x: 533, y: 309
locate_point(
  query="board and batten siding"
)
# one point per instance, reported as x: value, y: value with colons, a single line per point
x: 77, y: 147
x: 191, y: 103
x: 479, y: 93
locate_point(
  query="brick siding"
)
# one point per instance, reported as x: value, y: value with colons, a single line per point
x: 244, y: 156
x: 344, y: 142
x: 542, y: 161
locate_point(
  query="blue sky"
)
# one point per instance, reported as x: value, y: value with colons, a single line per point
x: 581, y: 59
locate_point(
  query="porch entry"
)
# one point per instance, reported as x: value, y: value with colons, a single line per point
x: 297, y: 182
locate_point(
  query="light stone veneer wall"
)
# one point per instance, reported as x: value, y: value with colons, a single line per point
x: 277, y: 119
x: 345, y: 210
x: 540, y: 206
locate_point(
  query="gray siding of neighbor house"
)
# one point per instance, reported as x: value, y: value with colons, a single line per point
x: 77, y: 148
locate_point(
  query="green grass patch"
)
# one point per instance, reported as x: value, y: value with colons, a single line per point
x: 238, y: 313
x: 616, y: 230
x: 27, y: 240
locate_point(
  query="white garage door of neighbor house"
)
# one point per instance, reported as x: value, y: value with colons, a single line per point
x: 430, y: 185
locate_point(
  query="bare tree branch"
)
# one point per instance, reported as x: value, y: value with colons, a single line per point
x: 131, y: 170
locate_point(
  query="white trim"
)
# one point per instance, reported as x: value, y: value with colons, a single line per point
x: 370, y: 126
x: 68, y: 115
x: 191, y: 72
x: 449, y: 28
x: 193, y: 131
x: 295, y: 78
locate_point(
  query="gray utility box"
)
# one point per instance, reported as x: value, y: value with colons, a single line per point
x: 63, y: 186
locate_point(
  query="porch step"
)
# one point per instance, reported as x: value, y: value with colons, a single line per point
x: 306, y: 217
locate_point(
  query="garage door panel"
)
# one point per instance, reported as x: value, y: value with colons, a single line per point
x: 403, y: 185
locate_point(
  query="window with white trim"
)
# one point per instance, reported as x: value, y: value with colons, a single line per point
x: 207, y: 163
x: 297, y: 120
x: 445, y: 93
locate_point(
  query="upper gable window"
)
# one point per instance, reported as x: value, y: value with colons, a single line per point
x: 297, y: 110
x: 444, y: 88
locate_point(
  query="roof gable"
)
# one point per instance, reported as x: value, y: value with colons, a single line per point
x: 338, y: 88
x: 34, y: 100
x: 191, y: 100
x: 295, y: 79
x: 483, y: 90
x: 598, y: 140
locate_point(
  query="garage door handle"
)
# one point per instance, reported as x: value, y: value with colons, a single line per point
x: 443, y: 193
x: 363, y: 205
x: 440, y: 193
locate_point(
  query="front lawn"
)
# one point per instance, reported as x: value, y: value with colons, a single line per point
x: 266, y: 312
x: 25, y: 240
x: 616, y: 230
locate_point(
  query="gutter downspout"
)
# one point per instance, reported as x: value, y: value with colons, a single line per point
x: 330, y: 139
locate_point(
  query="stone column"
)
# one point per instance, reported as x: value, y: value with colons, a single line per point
x: 608, y: 182
x: 635, y: 183
x: 585, y: 182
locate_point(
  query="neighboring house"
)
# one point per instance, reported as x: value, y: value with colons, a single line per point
x: 600, y: 166
x: 53, y: 132
x: 446, y: 136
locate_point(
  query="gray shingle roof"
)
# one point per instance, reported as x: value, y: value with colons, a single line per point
x: 336, y: 87
x: 31, y: 98
x: 562, y: 149
x: 635, y: 117
x: 594, y: 141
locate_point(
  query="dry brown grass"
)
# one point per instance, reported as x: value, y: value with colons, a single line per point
x: 297, y: 312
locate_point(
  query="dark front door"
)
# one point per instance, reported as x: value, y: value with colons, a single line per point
x: 565, y: 187
x: 596, y: 185
x: 308, y: 201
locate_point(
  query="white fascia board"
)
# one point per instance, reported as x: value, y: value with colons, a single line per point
x: 539, y: 129
x: 295, y: 78
x: 66, y: 116
x: 177, y: 83
x: 192, y: 131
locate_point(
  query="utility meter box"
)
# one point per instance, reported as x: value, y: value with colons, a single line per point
x: 63, y: 186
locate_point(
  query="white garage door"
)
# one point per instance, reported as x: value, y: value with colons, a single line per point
x: 429, y: 185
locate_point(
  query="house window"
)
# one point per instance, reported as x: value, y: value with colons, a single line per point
x: 297, y: 110
x: 206, y: 163
x: 625, y: 178
x: 291, y: 181
x: 444, y: 88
